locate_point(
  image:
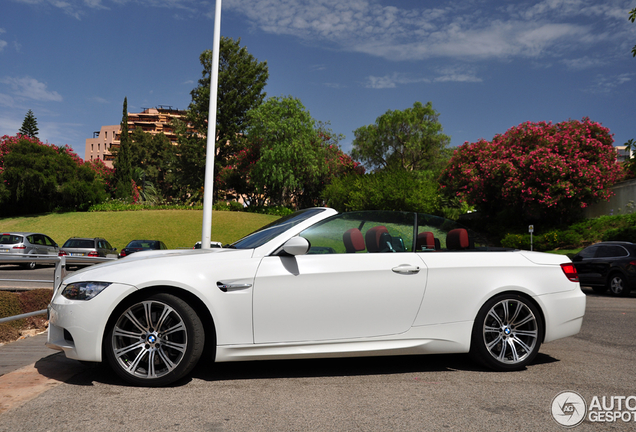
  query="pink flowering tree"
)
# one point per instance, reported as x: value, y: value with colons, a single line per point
x: 536, y: 170
x: 38, y: 177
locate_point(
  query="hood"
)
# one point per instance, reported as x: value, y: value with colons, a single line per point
x: 149, y: 265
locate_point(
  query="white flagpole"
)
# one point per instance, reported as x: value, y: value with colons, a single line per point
x: 208, y: 188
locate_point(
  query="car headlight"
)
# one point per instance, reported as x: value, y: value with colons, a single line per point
x: 83, y: 290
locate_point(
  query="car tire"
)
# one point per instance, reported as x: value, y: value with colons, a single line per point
x: 29, y: 266
x: 617, y: 285
x: 154, y: 341
x: 507, y: 333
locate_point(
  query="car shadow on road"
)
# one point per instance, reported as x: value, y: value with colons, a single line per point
x: 315, y: 368
x: 309, y: 368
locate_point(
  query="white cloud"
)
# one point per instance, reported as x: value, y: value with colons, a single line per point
x: 449, y: 30
x: 392, y: 81
x: 2, y: 44
x: 582, y: 63
x: 99, y: 100
x: 6, y: 100
x: 456, y: 74
x: 607, y: 84
x: 30, y: 88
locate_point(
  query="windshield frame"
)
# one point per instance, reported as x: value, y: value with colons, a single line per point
x: 272, y: 230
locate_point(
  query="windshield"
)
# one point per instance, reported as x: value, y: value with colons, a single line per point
x: 268, y: 232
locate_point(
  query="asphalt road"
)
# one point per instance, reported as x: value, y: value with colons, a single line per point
x: 411, y: 393
x: 23, y: 279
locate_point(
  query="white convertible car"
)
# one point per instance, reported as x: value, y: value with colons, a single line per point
x: 318, y: 283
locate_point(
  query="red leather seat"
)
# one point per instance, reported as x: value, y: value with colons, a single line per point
x: 353, y: 240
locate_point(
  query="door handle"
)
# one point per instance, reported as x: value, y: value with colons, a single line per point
x: 406, y: 269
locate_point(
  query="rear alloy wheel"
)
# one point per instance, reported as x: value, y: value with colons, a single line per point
x: 29, y: 266
x: 155, y: 341
x: 617, y: 285
x: 507, y: 333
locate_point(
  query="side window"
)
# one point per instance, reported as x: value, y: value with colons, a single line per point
x: 48, y: 241
x: 588, y: 252
x: 31, y: 239
x: 362, y: 232
x: 612, y: 252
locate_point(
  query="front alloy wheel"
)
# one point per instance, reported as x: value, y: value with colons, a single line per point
x: 155, y: 341
x: 507, y: 333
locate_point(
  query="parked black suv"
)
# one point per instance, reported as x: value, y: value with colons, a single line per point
x: 608, y: 265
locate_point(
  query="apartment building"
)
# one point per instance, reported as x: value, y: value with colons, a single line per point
x: 151, y: 120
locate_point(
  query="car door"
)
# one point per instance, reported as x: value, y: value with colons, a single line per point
x: 586, y: 268
x: 49, y: 246
x: 330, y: 294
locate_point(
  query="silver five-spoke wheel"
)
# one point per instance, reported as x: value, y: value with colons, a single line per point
x: 155, y: 341
x: 507, y: 333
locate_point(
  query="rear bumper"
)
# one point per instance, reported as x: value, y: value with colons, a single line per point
x: 563, y: 313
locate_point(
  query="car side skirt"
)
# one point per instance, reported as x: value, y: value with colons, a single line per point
x: 436, y: 339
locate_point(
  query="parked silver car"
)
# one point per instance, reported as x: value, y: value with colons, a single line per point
x: 27, y: 243
x: 91, y: 247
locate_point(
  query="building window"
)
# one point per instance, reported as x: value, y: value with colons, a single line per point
x: 105, y: 134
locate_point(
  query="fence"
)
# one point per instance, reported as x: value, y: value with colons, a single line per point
x: 60, y: 262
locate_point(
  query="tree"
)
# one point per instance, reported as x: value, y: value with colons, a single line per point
x: 154, y: 156
x: 242, y: 79
x: 294, y: 152
x: 409, y: 140
x: 385, y: 190
x: 29, y: 125
x: 123, y: 168
x: 536, y: 171
x: 237, y: 177
x: 38, y: 177
x: 632, y: 18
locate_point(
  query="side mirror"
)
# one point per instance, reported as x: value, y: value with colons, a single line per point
x: 296, y: 246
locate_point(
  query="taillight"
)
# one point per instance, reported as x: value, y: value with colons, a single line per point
x: 62, y: 253
x: 570, y: 272
x: 93, y: 254
x: 19, y: 247
x: 122, y: 253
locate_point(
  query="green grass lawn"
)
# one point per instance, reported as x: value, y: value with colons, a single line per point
x: 176, y: 228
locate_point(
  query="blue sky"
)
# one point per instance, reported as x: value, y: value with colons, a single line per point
x: 485, y: 65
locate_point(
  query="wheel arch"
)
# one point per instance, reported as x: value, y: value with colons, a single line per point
x: 193, y: 301
x: 521, y: 294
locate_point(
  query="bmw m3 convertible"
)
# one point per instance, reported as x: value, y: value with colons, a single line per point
x: 318, y: 283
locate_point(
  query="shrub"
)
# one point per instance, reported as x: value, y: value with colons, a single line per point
x: 556, y: 239
x: 35, y: 300
x: 270, y: 210
x: 621, y: 234
x: 10, y: 306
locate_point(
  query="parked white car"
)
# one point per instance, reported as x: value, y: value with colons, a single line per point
x: 318, y: 284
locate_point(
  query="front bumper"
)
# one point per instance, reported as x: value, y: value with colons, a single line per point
x: 77, y: 327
